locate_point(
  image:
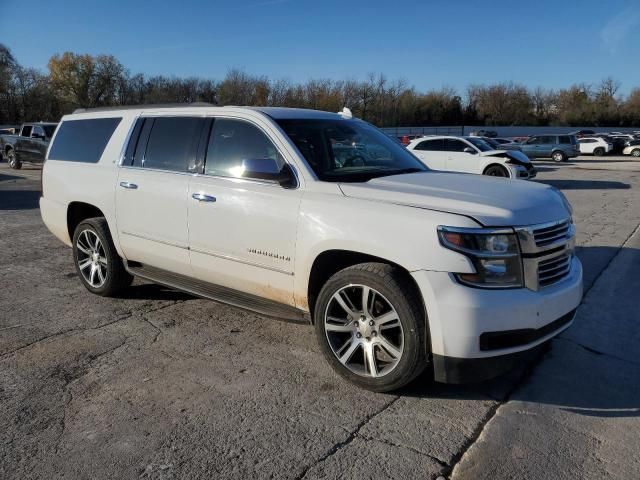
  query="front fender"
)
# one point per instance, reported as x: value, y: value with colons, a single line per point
x: 406, y: 236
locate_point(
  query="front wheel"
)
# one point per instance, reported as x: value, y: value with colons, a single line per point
x: 371, y: 327
x: 97, y: 262
x: 636, y: 152
x: 12, y: 160
x: 559, y: 156
x: 599, y: 152
x: 496, y: 171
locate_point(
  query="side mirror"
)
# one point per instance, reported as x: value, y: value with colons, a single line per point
x: 268, y: 169
x: 469, y: 150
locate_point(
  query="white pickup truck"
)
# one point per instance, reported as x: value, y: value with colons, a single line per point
x: 321, y: 218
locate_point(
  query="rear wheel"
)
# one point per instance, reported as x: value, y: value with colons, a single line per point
x: 12, y: 159
x: 496, y: 171
x: 558, y: 156
x: 636, y: 152
x: 599, y: 152
x: 97, y: 263
x: 370, y: 327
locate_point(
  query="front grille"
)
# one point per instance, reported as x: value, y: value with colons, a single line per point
x: 551, y: 234
x: 554, y: 269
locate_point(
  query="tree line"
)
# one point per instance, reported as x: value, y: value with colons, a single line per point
x: 82, y: 80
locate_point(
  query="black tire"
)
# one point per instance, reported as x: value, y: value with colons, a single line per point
x: 559, y: 156
x: 12, y: 159
x: 116, y: 277
x: 599, y: 152
x: 496, y: 171
x: 398, y: 291
x: 635, y: 152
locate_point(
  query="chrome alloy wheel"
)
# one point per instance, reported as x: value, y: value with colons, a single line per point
x: 364, y: 331
x: 92, y: 260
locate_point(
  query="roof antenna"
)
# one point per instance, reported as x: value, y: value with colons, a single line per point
x: 345, y: 113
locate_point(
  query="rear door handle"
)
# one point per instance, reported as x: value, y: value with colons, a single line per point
x: 129, y: 185
x: 203, y: 197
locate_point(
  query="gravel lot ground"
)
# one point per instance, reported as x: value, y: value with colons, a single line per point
x: 158, y: 384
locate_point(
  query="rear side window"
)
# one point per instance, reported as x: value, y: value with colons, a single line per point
x: 83, y: 140
x: 430, y: 145
x: 172, y: 144
x: 564, y: 139
x: 26, y: 131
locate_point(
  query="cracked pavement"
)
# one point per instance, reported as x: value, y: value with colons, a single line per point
x: 158, y: 384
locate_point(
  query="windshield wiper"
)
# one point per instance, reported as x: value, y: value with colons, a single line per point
x: 401, y: 171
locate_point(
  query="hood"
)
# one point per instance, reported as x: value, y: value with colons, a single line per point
x: 491, y: 201
x: 515, y: 154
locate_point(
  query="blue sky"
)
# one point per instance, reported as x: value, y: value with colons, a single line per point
x: 429, y: 43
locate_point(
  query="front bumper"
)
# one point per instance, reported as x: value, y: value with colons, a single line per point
x: 458, y: 316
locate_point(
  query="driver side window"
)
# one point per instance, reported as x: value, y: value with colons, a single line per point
x: 233, y: 141
x: 453, y: 145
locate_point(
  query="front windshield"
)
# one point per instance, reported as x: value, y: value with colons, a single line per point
x: 480, y: 144
x: 349, y: 150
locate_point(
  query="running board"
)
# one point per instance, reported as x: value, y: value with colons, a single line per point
x: 218, y: 293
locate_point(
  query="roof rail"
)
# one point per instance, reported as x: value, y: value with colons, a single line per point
x: 150, y: 105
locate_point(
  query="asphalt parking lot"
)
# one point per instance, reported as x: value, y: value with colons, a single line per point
x: 158, y: 384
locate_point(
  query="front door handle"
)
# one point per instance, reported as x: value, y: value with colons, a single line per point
x: 129, y: 185
x: 203, y: 197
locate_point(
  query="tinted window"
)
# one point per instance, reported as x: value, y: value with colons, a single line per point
x: 172, y: 143
x: 233, y: 141
x: 546, y: 140
x: 48, y: 130
x: 564, y: 139
x: 26, y: 131
x: 430, y: 145
x: 37, y: 131
x: 453, y: 145
x: 83, y: 140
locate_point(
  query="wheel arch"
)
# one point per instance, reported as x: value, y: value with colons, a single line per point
x: 495, y: 164
x: 79, y: 211
x: 329, y: 262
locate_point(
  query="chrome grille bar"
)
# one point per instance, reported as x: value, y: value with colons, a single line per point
x: 547, y: 252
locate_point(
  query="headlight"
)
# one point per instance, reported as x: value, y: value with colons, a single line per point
x: 495, y: 254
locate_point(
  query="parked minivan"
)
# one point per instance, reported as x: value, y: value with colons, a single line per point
x: 557, y: 147
x: 318, y: 218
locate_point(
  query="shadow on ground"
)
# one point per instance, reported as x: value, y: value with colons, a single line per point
x: 586, y: 184
x: 19, y: 199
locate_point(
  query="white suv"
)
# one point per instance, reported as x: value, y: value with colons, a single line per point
x: 321, y: 218
x: 471, y: 155
x: 594, y: 145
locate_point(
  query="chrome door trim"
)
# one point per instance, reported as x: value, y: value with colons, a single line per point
x: 246, y: 262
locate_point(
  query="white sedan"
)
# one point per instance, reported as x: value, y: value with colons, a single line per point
x: 594, y: 146
x: 471, y: 155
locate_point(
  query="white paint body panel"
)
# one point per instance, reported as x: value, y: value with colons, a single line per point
x: 592, y: 144
x: 263, y: 239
